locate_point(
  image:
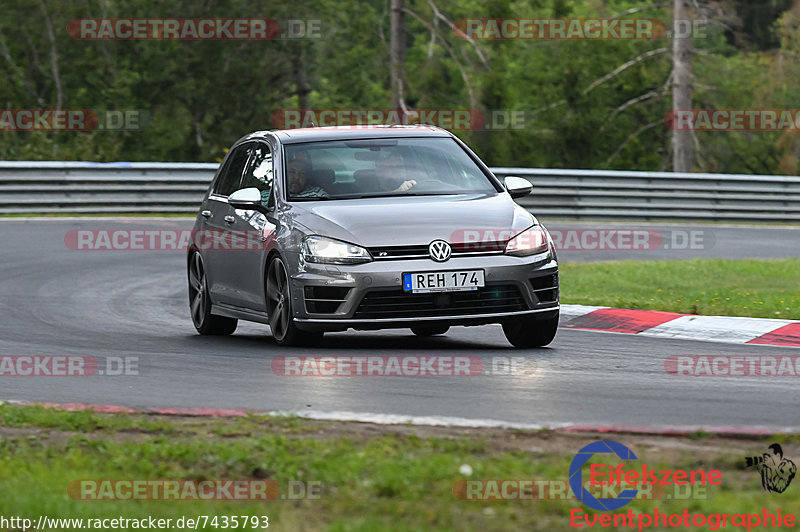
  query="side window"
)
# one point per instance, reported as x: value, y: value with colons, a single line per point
x: 232, y: 174
x: 259, y: 168
x: 259, y: 172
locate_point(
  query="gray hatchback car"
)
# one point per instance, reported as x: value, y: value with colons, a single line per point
x: 326, y: 229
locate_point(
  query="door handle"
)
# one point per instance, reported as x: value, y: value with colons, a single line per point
x: 205, y: 214
x: 230, y: 219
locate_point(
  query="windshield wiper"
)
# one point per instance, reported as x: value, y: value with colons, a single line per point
x: 432, y: 194
x: 400, y: 195
x: 313, y: 198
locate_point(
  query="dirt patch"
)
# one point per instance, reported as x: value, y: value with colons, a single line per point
x: 495, y: 440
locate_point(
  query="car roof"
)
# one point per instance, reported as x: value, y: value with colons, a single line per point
x: 317, y: 134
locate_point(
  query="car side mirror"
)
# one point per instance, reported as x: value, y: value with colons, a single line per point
x: 248, y: 199
x: 517, y: 186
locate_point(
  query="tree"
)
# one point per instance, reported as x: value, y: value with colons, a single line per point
x: 682, y: 153
x: 397, y: 53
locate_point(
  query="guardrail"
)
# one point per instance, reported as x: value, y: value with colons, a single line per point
x: 660, y: 195
x: 28, y: 187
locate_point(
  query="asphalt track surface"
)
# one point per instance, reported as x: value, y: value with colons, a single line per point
x: 58, y: 301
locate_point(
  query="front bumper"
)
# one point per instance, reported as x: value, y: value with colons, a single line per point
x: 370, y: 296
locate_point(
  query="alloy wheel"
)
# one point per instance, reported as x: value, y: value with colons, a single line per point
x: 279, y: 299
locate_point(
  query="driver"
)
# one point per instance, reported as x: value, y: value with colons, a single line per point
x: 392, y: 170
x: 298, y: 171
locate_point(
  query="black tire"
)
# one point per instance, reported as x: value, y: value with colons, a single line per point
x: 429, y: 330
x: 279, y: 308
x: 200, y: 302
x: 530, y: 332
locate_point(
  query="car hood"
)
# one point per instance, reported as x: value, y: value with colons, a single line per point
x: 410, y: 220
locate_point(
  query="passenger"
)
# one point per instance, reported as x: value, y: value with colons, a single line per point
x: 297, y: 172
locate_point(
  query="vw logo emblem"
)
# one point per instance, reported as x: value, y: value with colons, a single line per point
x: 439, y: 250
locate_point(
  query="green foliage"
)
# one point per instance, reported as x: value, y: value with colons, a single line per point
x: 200, y: 96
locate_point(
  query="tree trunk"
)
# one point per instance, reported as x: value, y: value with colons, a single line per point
x: 397, y: 52
x: 53, y: 55
x: 682, y: 151
x: 302, y: 88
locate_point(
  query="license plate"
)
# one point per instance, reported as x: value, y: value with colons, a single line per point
x: 451, y: 281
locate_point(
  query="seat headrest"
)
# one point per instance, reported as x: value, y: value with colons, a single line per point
x: 321, y: 177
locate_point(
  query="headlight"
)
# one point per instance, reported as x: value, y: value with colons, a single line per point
x: 531, y: 241
x: 329, y: 251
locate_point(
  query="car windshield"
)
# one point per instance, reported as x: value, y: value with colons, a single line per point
x: 381, y: 167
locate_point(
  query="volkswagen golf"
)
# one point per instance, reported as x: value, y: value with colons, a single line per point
x: 327, y: 229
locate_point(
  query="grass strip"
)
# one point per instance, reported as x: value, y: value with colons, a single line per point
x: 757, y: 288
x: 372, y: 477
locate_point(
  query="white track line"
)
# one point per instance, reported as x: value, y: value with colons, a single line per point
x: 570, y: 312
x: 717, y: 328
x: 400, y: 419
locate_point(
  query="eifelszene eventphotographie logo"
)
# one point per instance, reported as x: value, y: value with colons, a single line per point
x: 606, y: 474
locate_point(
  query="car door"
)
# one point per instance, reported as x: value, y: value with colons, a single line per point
x: 247, y: 261
x: 220, y: 220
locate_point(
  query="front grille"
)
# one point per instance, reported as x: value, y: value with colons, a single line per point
x: 399, y: 304
x: 545, y: 288
x: 421, y: 251
x: 324, y: 299
x: 399, y: 252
